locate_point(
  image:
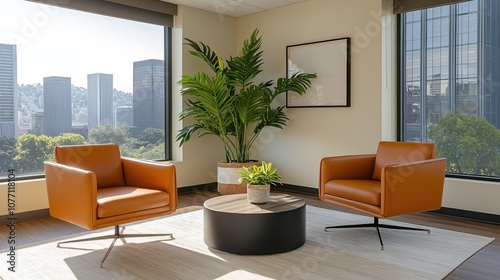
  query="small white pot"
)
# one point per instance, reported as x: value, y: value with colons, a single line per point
x: 258, y: 194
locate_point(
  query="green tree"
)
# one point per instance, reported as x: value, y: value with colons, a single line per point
x: 469, y: 143
x: 150, y: 151
x: 32, y: 151
x: 7, y: 154
x: 107, y: 134
x: 152, y: 135
x: 69, y: 139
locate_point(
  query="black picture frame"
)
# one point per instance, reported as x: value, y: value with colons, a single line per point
x: 330, y: 60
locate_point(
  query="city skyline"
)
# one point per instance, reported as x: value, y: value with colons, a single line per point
x: 52, y: 113
x: 52, y: 41
x: 450, y: 65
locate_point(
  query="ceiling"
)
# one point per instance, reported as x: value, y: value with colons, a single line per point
x: 235, y: 8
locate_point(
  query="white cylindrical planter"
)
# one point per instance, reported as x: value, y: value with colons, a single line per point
x: 227, y: 178
x: 258, y: 194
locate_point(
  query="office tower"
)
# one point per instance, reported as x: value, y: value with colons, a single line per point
x: 149, y: 95
x: 81, y: 129
x: 37, y: 123
x: 100, y: 99
x: 56, y: 105
x: 490, y: 53
x: 452, y: 65
x: 124, y: 115
x: 8, y: 91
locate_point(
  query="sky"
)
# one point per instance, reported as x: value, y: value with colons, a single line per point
x: 52, y: 41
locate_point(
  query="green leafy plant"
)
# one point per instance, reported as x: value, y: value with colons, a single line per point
x: 229, y: 104
x: 263, y: 174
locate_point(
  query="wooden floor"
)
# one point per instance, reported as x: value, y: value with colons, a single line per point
x: 483, y: 265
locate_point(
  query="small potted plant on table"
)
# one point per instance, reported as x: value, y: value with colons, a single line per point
x: 259, y: 179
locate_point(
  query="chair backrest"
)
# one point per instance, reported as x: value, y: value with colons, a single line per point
x: 102, y: 159
x: 389, y: 153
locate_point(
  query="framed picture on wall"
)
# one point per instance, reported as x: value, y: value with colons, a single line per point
x: 330, y: 60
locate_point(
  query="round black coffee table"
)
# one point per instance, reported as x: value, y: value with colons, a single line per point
x: 232, y: 224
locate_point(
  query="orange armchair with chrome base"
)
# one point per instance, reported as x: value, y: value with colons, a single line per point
x: 93, y: 187
x: 401, y: 178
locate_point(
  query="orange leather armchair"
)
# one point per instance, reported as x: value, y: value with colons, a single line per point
x: 401, y: 178
x: 93, y: 187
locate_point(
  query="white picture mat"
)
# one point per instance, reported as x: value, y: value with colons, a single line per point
x: 329, y: 60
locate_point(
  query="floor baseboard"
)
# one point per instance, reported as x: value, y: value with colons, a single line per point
x: 24, y: 216
x: 468, y: 215
x: 197, y: 188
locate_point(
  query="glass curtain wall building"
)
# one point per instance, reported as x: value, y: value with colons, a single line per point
x: 56, y: 105
x: 149, y: 95
x: 100, y: 99
x: 450, y: 80
x: 8, y: 90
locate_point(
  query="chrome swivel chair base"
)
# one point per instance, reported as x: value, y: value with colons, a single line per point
x: 117, y: 235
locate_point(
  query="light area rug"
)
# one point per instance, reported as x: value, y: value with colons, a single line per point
x: 338, y: 254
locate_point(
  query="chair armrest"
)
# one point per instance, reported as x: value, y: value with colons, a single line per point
x: 151, y: 175
x: 347, y: 167
x: 72, y: 194
x: 412, y: 187
x: 358, y: 167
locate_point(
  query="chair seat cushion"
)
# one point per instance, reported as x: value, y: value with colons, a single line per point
x: 364, y: 191
x: 126, y: 199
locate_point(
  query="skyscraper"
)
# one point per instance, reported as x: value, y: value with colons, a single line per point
x: 149, y: 95
x: 100, y: 99
x: 452, y: 65
x: 56, y: 105
x: 490, y: 55
x: 8, y: 91
x: 37, y: 123
x: 124, y: 115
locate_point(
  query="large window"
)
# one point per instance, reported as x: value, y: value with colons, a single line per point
x: 71, y: 77
x: 450, y: 85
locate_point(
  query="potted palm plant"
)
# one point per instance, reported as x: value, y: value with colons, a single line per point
x: 229, y: 104
x: 258, y: 179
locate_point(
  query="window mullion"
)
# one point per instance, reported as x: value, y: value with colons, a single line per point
x: 481, y: 77
x: 423, y: 77
x: 453, y: 59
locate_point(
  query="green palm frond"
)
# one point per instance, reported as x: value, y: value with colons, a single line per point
x: 250, y: 104
x: 207, y: 54
x: 212, y: 105
x: 274, y: 117
x: 299, y: 83
x: 185, y: 133
x: 243, y: 68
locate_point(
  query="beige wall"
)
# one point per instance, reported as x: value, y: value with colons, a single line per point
x: 311, y: 132
x: 30, y: 195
